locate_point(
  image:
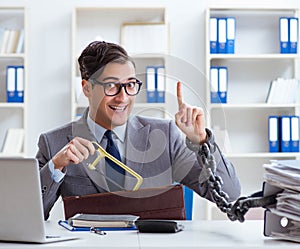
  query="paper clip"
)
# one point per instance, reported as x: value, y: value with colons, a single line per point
x: 102, y: 153
x: 97, y: 231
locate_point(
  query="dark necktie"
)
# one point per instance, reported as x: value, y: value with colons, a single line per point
x: 113, y: 171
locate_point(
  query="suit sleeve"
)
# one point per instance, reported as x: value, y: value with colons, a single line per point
x: 50, y: 189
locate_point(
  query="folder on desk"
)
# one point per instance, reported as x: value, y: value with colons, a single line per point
x: 222, y: 86
x: 213, y: 34
x: 150, y: 84
x: 230, y: 38
x: 284, y: 35
x: 222, y: 35
x: 294, y: 133
x: 285, y: 133
x: 273, y: 134
x: 293, y: 34
x: 214, y: 85
x: 160, y: 84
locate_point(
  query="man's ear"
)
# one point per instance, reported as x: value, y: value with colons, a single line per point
x: 86, y: 88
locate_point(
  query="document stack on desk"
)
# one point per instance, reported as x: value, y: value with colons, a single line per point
x: 285, y: 174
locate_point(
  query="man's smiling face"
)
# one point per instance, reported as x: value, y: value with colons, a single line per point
x: 112, y: 111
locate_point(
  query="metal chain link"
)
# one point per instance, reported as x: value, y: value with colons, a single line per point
x: 238, y: 210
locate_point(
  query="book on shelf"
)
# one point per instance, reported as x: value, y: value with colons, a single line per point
x: 102, y: 220
x: 11, y: 41
x: 13, y: 142
x: 283, y: 91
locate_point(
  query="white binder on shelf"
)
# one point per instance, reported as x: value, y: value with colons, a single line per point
x: 273, y: 134
x: 293, y: 34
x: 222, y: 87
x: 160, y: 84
x: 213, y: 34
x: 222, y: 35
x: 150, y: 84
x: 230, y: 31
x: 284, y: 35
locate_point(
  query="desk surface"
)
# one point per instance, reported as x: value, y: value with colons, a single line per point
x: 197, y: 234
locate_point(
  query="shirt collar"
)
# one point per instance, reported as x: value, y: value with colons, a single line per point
x: 98, y: 131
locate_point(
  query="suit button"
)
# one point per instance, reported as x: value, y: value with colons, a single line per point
x: 44, y: 189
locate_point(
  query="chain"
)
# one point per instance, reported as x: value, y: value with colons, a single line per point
x: 242, y: 205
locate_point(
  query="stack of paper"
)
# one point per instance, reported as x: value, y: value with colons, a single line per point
x: 285, y: 174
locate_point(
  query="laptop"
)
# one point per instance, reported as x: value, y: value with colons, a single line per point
x: 21, y: 214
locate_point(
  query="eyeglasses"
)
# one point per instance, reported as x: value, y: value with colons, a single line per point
x: 114, y: 88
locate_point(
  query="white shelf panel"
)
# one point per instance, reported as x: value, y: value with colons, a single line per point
x: 262, y: 155
x: 253, y: 56
x: 253, y: 106
x: 12, y: 105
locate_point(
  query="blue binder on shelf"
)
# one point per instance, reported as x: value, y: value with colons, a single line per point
x: 293, y: 35
x: 222, y: 35
x: 222, y: 86
x: 213, y: 34
x: 285, y: 133
x: 294, y: 133
x: 214, y: 85
x: 160, y: 84
x: 230, y: 35
x: 284, y: 35
x: 150, y: 84
x: 20, y: 83
x: 11, y: 84
x: 273, y: 134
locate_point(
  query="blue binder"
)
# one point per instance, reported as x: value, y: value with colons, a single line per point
x: 285, y: 134
x: 214, y: 85
x: 222, y: 86
x: 213, y: 34
x: 294, y: 133
x: 11, y: 95
x: 293, y: 35
x: 160, y: 84
x: 150, y: 84
x: 20, y: 83
x: 273, y: 134
x: 284, y: 35
x: 222, y: 35
x: 230, y: 31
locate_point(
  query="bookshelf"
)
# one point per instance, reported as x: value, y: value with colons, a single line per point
x: 13, y: 26
x: 109, y: 24
x: 256, y: 62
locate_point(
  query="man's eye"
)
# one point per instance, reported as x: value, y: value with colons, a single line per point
x: 131, y: 84
x: 111, y: 85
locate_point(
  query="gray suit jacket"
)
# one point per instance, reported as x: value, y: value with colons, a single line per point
x: 154, y: 148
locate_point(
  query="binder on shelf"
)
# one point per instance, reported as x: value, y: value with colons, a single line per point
x: 222, y: 86
x: 15, y: 83
x: 293, y: 35
x: 13, y: 143
x: 284, y: 35
x: 230, y: 31
x: 213, y: 34
x: 294, y: 134
x: 273, y: 134
x: 20, y: 45
x: 160, y: 84
x: 222, y: 35
x: 214, y: 85
x: 150, y: 84
x: 285, y: 134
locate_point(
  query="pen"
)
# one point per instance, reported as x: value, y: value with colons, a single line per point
x: 65, y: 225
x: 97, y: 231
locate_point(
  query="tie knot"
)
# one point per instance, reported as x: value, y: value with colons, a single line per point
x: 108, y: 134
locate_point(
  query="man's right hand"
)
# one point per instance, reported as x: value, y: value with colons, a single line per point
x: 77, y: 150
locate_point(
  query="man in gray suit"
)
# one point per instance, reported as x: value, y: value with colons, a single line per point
x: 154, y: 148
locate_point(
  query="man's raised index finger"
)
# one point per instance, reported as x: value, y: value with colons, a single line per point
x: 179, y: 94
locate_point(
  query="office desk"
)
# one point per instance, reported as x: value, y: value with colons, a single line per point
x: 197, y: 234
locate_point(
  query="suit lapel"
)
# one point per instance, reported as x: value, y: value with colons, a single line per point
x: 137, y: 136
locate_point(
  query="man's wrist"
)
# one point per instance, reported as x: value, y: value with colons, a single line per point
x: 196, y: 147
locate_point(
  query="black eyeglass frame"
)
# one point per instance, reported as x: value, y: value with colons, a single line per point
x: 96, y: 82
